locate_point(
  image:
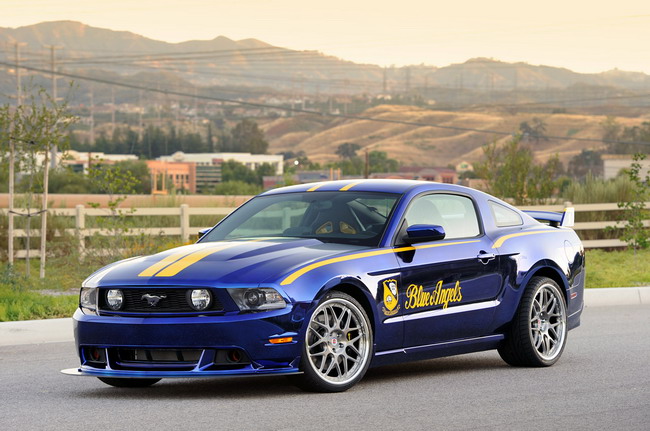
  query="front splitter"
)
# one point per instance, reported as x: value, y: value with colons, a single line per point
x: 177, y: 374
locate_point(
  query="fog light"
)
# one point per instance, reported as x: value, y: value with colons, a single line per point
x: 200, y: 299
x: 114, y: 299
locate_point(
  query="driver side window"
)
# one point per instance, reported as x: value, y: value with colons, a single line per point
x: 456, y: 214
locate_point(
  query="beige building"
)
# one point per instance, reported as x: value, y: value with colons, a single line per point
x: 614, y: 163
x: 249, y: 160
x: 181, y: 175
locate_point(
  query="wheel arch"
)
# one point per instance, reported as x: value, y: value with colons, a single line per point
x: 358, y: 291
x: 549, y: 270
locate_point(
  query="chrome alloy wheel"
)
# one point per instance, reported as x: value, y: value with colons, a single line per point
x: 548, y: 322
x: 338, y: 341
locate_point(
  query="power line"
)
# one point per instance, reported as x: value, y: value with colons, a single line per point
x: 302, y: 110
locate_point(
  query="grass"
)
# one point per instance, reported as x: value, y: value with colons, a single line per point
x: 23, y: 298
x: 621, y: 268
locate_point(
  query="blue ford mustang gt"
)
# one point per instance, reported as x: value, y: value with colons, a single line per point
x: 321, y: 281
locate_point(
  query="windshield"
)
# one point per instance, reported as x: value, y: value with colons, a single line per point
x: 358, y: 218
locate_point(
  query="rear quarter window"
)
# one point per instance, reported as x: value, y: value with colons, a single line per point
x: 504, y: 216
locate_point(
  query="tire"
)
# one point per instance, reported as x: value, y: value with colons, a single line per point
x: 337, y: 347
x: 538, y: 332
x: 128, y: 383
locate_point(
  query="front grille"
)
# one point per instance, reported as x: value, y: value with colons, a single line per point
x: 172, y: 300
x: 158, y: 359
x: 148, y: 359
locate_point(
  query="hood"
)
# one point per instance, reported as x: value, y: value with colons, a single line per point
x: 219, y: 263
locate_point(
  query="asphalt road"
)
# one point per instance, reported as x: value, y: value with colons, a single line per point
x: 601, y: 382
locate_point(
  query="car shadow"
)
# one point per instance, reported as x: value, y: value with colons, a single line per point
x: 435, y: 367
x: 275, y: 386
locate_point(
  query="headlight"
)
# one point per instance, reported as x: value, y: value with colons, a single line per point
x: 199, y: 299
x: 88, y: 298
x: 114, y: 299
x: 257, y: 299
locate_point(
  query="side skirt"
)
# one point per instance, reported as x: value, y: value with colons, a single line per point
x: 438, y: 350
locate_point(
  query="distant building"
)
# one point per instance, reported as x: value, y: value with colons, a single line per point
x: 437, y: 174
x: 251, y: 161
x: 613, y: 164
x: 180, y: 175
x: 80, y: 161
x: 207, y: 177
x: 303, y: 177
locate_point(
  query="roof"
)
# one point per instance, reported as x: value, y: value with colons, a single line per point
x: 366, y: 185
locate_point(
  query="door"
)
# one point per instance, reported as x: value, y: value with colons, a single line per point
x: 450, y: 286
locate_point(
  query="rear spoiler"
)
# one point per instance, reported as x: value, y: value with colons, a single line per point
x: 565, y: 219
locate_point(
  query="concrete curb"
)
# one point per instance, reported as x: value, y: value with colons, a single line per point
x: 60, y: 330
x: 36, y: 332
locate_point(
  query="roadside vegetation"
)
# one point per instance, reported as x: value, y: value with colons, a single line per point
x: 23, y: 298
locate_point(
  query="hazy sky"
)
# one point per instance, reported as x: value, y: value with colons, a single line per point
x: 586, y: 36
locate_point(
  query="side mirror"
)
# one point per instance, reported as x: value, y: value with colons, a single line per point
x: 424, y: 233
x: 204, y: 231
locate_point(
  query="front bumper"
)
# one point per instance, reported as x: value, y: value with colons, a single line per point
x: 197, y: 346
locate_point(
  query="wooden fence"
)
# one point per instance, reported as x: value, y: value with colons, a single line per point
x: 185, y: 231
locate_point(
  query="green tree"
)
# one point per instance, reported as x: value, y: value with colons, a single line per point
x: 625, y: 140
x: 588, y: 162
x: 510, y: 172
x: 235, y: 171
x: 347, y: 150
x: 535, y: 131
x: 140, y: 171
x: 379, y: 162
x: 28, y: 131
x: 240, y: 188
x: 65, y: 180
x: 246, y: 136
x: 634, y: 232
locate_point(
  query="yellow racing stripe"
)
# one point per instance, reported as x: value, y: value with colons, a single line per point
x: 499, y: 242
x: 189, y: 260
x: 349, y: 186
x: 150, y: 271
x: 316, y: 187
x: 302, y: 271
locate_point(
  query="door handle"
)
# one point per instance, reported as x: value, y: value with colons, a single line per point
x: 484, y: 257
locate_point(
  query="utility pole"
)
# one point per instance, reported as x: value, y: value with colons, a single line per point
x: 408, y: 79
x: 91, y: 139
x: 10, y: 229
x: 195, y: 120
x: 52, y: 48
x: 12, y: 159
x: 19, y: 85
x: 140, y: 124
x: 366, y: 171
x: 112, y: 111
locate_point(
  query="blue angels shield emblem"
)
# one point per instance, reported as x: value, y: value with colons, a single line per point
x: 391, y: 302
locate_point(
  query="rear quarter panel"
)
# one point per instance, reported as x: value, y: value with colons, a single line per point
x: 540, y: 250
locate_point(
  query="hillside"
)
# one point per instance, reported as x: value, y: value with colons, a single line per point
x: 429, y: 146
x: 223, y: 61
x: 220, y: 61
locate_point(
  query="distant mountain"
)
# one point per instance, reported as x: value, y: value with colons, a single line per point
x: 76, y: 37
x: 223, y: 62
x: 493, y: 75
x: 220, y: 61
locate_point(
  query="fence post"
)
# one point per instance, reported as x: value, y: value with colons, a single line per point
x: 80, y: 225
x: 568, y: 204
x: 185, y: 223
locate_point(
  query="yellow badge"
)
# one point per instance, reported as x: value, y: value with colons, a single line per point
x: 391, y: 303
